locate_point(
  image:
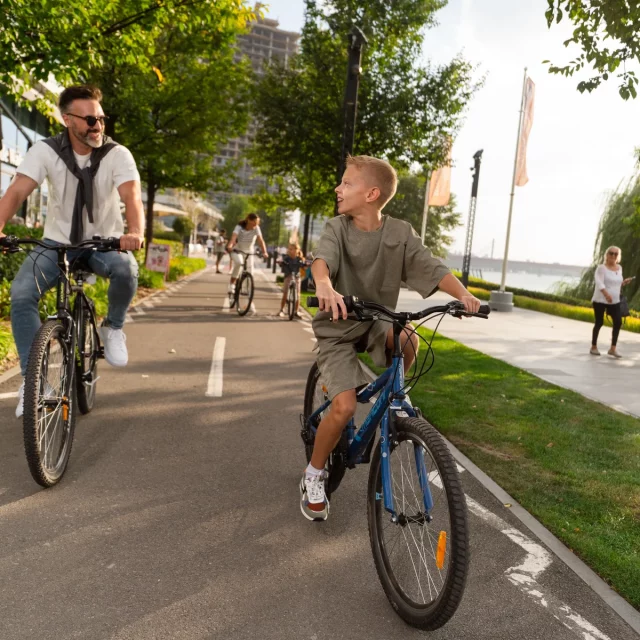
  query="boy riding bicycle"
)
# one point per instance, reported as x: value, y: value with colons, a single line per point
x: 365, y: 254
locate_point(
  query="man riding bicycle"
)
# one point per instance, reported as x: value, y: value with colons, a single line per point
x: 88, y: 175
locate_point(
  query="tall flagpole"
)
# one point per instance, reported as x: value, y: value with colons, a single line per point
x: 425, y: 210
x: 513, y: 186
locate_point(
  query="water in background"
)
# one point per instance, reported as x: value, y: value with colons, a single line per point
x: 530, y: 281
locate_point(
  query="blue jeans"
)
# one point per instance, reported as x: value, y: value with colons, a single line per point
x: 120, y: 268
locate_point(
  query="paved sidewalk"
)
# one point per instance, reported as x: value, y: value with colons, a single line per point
x: 552, y: 348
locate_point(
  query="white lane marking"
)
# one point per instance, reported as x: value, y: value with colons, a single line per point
x: 7, y: 396
x: 252, y: 308
x: 139, y: 311
x: 524, y: 575
x: 308, y: 329
x: 128, y: 318
x: 214, y: 385
x: 225, y: 305
x: 147, y: 303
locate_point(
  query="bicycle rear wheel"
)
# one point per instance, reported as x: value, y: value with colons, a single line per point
x: 49, y: 404
x: 422, y: 560
x: 291, y: 300
x: 87, y: 363
x: 315, y: 396
x: 244, y: 293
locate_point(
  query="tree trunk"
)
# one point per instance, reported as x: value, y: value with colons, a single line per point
x: 305, y: 237
x: 151, y: 196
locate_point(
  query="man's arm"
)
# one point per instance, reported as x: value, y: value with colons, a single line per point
x: 19, y: 190
x: 134, y: 213
x: 451, y: 285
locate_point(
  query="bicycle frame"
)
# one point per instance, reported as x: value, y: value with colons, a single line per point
x: 392, y: 400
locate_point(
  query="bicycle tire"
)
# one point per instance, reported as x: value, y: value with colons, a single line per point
x: 291, y: 300
x: 244, y: 297
x: 38, y: 395
x: 87, y: 356
x: 337, y: 463
x: 423, y: 615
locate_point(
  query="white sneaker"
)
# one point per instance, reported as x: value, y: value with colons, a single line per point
x: 282, y: 314
x: 20, y: 407
x: 313, y: 500
x: 115, y: 348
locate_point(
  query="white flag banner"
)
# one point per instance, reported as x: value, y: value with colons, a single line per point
x: 527, y: 121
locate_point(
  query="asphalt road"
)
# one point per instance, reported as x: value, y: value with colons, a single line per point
x: 178, y: 517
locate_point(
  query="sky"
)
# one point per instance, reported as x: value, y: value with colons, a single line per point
x: 581, y: 146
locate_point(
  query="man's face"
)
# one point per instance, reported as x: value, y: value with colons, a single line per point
x: 352, y: 192
x: 89, y: 135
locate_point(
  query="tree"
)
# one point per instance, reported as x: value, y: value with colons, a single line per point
x: 608, y: 32
x: 184, y: 226
x: 175, y: 118
x: 406, y: 113
x: 69, y: 40
x: 235, y: 211
x: 408, y: 204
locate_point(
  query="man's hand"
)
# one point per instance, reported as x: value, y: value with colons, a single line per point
x: 131, y: 241
x: 330, y: 300
x: 471, y: 303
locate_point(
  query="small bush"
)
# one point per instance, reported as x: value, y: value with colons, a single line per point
x: 7, y: 346
x: 167, y: 235
x: 11, y: 262
x: 182, y: 266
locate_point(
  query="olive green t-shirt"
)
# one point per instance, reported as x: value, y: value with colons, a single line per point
x: 372, y: 264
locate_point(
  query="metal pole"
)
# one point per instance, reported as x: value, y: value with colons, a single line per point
x: 425, y: 210
x: 350, y: 106
x: 466, y: 260
x: 513, y: 187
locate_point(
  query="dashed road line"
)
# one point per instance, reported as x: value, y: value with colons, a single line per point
x: 9, y: 395
x: 214, y: 384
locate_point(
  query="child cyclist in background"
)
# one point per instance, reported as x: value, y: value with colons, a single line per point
x: 291, y: 264
x: 366, y: 254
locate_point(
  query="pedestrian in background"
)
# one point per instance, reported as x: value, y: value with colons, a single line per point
x: 606, y: 297
x: 221, y: 243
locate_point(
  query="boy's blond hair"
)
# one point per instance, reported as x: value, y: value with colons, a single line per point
x: 381, y: 174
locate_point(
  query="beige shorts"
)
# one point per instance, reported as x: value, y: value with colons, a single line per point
x: 338, y: 347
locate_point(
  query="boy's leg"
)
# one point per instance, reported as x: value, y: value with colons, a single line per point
x: 409, y: 342
x: 26, y: 291
x: 343, y: 408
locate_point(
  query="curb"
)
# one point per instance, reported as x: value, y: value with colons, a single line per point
x: 11, y: 373
x: 615, y: 601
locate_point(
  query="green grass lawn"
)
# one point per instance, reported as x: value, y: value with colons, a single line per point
x: 571, y: 462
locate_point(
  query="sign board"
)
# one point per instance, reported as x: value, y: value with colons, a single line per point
x: 158, y: 257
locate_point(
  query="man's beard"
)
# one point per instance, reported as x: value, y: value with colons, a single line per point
x: 92, y: 142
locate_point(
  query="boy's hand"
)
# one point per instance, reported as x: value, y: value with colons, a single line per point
x: 330, y: 300
x: 471, y: 303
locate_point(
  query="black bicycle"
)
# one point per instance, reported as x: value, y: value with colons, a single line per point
x: 62, y: 370
x: 293, y: 298
x: 242, y: 296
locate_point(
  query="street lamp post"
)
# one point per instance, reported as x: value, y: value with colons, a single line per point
x: 466, y: 261
x: 357, y: 40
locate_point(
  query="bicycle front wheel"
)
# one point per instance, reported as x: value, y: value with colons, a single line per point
x: 422, y: 559
x: 244, y: 293
x: 291, y: 300
x: 49, y: 404
x: 87, y: 364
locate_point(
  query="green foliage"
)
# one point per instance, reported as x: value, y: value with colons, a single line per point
x: 183, y: 226
x: 406, y: 111
x: 7, y: 346
x: 181, y: 266
x: 10, y: 262
x: 167, y: 235
x: 72, y: 40
x: 598, y: 26
x: 234, y: 211
x: 619, y: 226
x: 408, y: 204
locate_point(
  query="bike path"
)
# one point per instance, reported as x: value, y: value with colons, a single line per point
x: 178, y: 516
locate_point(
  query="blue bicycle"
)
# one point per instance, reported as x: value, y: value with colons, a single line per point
x: 415, y: 506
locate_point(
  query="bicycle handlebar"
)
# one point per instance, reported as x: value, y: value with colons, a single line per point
x: 12, y: 243
x: 454, y: 308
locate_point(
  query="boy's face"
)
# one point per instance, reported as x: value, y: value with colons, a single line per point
x: 354, y: 192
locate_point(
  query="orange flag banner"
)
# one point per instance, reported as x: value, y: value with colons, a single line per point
x: 440, y: 186
x: 527, y: 120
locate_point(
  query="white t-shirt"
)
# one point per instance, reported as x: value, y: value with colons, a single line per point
x: 209, y: 243
x: 609, y: 280
x: 116, y: 168
x: 247, y: 238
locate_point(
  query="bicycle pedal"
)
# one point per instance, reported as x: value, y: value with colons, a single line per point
x: 101, y: 352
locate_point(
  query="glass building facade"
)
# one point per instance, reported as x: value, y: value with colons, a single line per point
x: 19, y: 129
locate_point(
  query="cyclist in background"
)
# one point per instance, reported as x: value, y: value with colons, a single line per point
x: 291, y: 264
x: 79, y: 161
x: 244, y: 236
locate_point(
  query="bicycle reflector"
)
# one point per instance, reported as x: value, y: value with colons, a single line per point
x: 442, y: 549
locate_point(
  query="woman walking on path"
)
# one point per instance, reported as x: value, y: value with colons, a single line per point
x: 606, y: 297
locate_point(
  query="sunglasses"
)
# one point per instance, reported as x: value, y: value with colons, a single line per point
x: 612, y: 253
x: 91, y: 120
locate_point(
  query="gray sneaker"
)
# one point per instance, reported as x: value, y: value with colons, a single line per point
x: 313, y: 501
